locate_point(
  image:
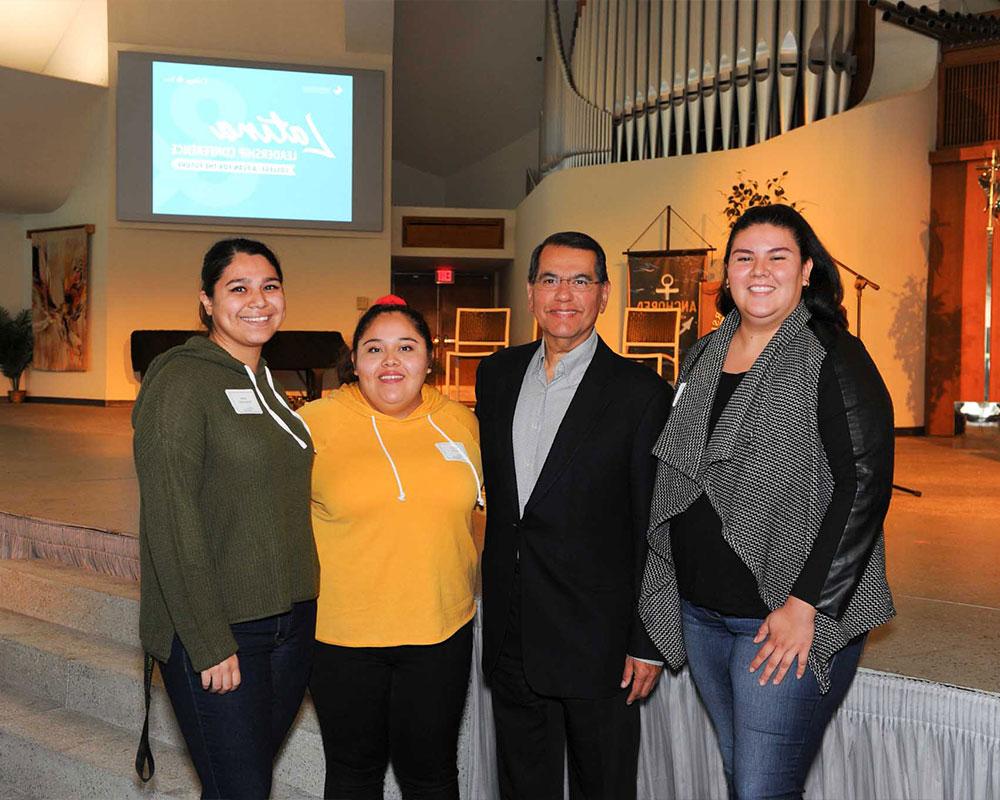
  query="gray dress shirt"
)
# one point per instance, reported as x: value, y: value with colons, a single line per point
x: 540, y: 409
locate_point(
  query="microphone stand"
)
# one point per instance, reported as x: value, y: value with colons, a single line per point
x: 860, y: 283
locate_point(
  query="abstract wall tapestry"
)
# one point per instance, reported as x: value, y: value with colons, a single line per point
x: 59, y: 276
x: 670, y: 279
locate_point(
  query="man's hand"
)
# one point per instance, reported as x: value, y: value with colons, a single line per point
x: 642, y: 676
x: 223, y: 677
x: 787, y: 634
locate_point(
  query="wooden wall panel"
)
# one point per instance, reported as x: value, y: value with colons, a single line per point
x: 956, y: 287
x: 458, y: 232
x: 946, y: 239
x: 969, y: 98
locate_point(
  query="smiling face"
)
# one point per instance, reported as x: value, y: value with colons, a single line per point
x: 565, y: 315
x: 392, y: 362
x: 766, y: 274
x: 247, y: 307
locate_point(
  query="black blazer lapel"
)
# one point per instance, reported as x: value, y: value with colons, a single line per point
x: 582, y: 415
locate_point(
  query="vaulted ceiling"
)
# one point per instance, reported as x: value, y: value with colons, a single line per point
x: 467, y: 79
x: 61, y: 38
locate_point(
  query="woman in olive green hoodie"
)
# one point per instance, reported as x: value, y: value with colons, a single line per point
x: 229, y: 567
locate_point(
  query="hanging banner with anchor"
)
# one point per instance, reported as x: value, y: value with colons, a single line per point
x: 673, y: 279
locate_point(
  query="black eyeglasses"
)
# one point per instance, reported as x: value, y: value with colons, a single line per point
x: 578, y: 283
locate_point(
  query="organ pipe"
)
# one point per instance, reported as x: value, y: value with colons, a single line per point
x: 835, y: 56
x: 657, y: 78
x: 789, y: 58
x: 744, y: 67
x: 653, y: 76
x: 678, y: 90
x: 709, y: 73
x: 764, y: 65
x: 815, y: 54
x: 692, y: 92
x: 667, y: 14
x: 849, y: 59
x: 726, y: 75
x: 641, y: 75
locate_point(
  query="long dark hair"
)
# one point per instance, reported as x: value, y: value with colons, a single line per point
x: 377, y: 311
x: 219, y: 256
x: 825, y: 293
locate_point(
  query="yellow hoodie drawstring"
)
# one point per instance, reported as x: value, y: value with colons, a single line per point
x: 480, y: 500
x: 399, y: 483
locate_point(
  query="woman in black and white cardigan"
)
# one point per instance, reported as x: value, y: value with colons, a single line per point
x: 766, y: 565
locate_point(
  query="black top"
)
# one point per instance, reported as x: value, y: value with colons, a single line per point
x: 709, y: 573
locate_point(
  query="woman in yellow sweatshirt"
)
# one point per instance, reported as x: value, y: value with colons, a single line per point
x: 395, y: 482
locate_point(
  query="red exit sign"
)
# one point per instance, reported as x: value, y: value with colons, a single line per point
x: 444, y: 275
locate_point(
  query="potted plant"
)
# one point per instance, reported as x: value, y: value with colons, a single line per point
x: 16, y: 349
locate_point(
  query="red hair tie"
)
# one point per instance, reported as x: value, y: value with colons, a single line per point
x: 390, y: 300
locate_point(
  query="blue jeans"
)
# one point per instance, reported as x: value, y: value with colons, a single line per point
x: 768, y: 735
x: 233, y: 738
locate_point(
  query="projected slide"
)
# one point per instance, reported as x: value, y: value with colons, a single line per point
x: 255, y: 143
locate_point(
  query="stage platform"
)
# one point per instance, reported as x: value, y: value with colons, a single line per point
x: 921, y: 721
x: 69, y: 486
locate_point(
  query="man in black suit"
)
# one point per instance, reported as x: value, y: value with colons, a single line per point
x: 566, y: 428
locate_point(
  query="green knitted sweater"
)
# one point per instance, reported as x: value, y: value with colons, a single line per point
x: 224, y: 533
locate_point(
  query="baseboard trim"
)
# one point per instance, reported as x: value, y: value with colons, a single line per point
x: 913, y: 430
x: 78, y: 401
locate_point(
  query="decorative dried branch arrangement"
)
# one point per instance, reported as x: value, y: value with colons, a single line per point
x: 746, y: 193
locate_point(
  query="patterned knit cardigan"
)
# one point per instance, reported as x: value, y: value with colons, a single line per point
x: 765, y: 473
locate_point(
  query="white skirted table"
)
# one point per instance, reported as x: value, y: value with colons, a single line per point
x: 894, y: 738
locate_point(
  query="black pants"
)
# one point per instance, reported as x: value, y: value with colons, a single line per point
x: 535, y: 734
x: 234, y: 737
x: 401, y: 704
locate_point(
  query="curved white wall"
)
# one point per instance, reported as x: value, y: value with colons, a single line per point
x: 47, y: 138
x: 862, y: 179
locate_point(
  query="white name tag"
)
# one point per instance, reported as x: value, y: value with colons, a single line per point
x: 244, y: 401
x: 678, y: 393
x: 452, y: 451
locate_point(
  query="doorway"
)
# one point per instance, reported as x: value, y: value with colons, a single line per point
x: 477, y: 284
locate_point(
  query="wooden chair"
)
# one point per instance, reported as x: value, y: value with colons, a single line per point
x: 652, y: 360
x: 479, y: 332
x: 653, y: 331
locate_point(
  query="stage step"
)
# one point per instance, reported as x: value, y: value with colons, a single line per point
x: 86, y: 601
x: 63, y: 656
x: 82, y: 673
x: 103, y: 680
x: 47, y: 751
x: 11, y: 792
